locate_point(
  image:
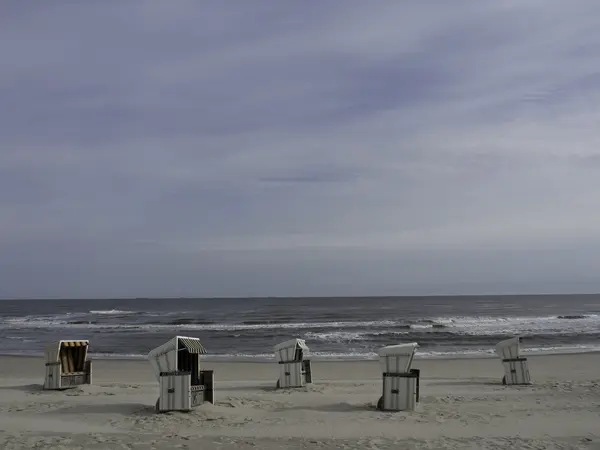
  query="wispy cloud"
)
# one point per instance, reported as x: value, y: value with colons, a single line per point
x: 289, y: 145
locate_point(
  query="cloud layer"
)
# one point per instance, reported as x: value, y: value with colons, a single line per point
x: 273, y: 148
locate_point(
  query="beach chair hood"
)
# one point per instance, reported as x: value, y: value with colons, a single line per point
x: 286, y: 351
x: 397, y: 358
x: 509, y: 348
x: 164, y: 357
x: 53, y: 351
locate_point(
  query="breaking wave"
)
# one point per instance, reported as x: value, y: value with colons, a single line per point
x: 456, y: 325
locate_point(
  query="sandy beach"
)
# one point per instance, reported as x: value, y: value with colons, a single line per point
x: 463, y: 406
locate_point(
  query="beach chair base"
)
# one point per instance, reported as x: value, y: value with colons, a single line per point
x: 400, y: 391
x: 177, y: 393
x: 294, y: 374
x: 57, y: 380
x: 516, y: 372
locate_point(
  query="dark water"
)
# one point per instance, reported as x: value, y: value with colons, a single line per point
x: 332, y: 327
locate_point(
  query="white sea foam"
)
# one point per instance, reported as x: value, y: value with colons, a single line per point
x: 335, y: 330
x: 345, y: 336
x: 36, y: 323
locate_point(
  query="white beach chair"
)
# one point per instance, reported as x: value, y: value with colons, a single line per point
x: 182, y: 384
x: 294, y: 369
x: 67, y: 365
x: 516, y: 369
x: 400, y: 382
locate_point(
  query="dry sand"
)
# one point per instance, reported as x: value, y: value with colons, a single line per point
x: 463, y: 406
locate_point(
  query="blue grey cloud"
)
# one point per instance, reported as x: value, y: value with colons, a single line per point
x: 271, y: 148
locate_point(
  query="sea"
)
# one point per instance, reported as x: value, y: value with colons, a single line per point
x: 334, y: 328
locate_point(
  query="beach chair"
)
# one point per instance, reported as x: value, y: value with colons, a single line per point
x: 516, y: 369
x: 67, y: 365
x: 400, y: 382
x: 177, y: 367
x: 294, y: 370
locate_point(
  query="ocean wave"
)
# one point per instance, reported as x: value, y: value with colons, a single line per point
x: 20, y: 339
x: 325, y: 330
x: 506, y: 325
x: 111, y: 312
x: 490, y: 320
x: 336, y: 336
x: 72, y: 324
x: 33, y: 323
x: 574, y: 317
x: 186, y: 321
x: 351, y: 336
x: 426, y: 326
x: 270, y: 321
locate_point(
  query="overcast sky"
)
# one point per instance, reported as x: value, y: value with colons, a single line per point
x: 250, y: 148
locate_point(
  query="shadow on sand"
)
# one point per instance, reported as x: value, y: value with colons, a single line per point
x: 486, y: 382
x: 29, y: 388
x: 124, y: 409
x: 336, y: 407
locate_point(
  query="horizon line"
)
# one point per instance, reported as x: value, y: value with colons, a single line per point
x: 315, y: 297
